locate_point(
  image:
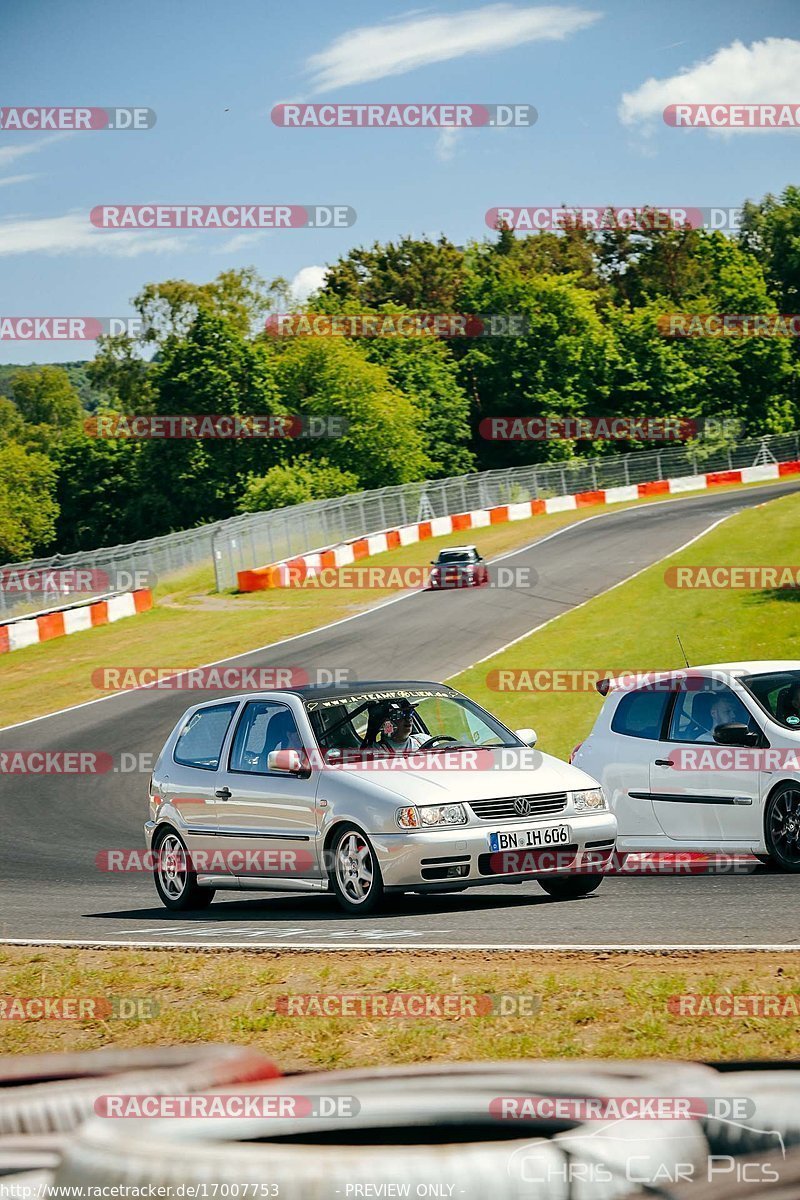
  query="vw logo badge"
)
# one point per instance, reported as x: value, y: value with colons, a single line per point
x: 523, y: 806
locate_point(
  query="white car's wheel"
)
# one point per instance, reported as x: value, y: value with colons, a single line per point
x: 782, y: 827
x: 176, y: 882
x: 354, y: 872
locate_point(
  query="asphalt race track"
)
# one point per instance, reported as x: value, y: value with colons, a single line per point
x: 54, y: 826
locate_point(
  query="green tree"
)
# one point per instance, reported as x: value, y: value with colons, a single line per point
x: 325, y: 377
x: 215, y: 370
x: 100, y: 495
x: 558, y: 367
x: 28, y: 509
x: 771, y: 231
x: 45, y: 396
x: 293, y: 483
x: 415, y: 273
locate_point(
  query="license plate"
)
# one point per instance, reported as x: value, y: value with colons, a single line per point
x: 524, y: 839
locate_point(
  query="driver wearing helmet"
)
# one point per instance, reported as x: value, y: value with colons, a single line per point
x: 389, y: 728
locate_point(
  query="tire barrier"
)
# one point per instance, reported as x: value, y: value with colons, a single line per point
x: 468, y: 1130
x: 425, y: 1128
x: 51, y: 1094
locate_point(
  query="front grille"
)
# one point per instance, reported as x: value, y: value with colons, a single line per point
x: 504, y: 808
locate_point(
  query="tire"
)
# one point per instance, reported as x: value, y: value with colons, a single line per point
x: 782, y: 828
x: 177, y: 888
x: 571, y: 887
x: 354, y: 872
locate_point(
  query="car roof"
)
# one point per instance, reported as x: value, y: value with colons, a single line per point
x: 634, y: 679
x: 331, y: 692
x: 461, y: 549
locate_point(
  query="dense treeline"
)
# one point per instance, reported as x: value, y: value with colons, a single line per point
x: 592, y: 347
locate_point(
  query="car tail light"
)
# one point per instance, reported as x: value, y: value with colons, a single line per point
x: 574, y: 751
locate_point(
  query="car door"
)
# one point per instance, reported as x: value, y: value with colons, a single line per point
x: 188, y: 778
x: 633, y: 742
x: 704, y: 802
x: 270, y: 812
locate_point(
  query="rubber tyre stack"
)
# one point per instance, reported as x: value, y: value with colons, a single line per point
x: 415, y: 1125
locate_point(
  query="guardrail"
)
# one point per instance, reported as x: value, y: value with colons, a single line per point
x: 239, y: 543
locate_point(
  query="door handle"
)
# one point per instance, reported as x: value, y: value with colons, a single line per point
x: 664, y: 762
x: 223, y: 793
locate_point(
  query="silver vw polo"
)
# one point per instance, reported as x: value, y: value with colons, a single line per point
x: 321, y: 790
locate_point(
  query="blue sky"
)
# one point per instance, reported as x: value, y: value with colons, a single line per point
x: 212, y: 73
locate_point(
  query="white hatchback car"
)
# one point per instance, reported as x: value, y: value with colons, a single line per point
x: 706, y: 759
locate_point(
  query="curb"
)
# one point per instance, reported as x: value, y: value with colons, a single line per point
x: 57, y: 622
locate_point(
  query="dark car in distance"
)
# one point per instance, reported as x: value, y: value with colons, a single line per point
x: 458, y: 566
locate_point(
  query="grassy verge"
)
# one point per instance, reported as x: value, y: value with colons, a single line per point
x: 594, y: 1005
x: 192, y: 624
x: 633, y: 627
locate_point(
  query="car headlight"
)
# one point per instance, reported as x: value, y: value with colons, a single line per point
x: 433, y: 814
x: 589, y: 801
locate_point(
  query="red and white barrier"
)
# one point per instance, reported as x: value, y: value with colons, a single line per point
x: 41, y: 627
x: 279, y: 574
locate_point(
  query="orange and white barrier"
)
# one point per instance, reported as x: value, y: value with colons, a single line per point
x: 41, y: 627
x: 279, y: 574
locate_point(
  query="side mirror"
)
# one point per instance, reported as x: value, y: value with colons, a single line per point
x: 288, y: 762
x: 528, y: 736
x: 735, y: 735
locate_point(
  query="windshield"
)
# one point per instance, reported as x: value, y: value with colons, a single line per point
x: 456, y: 556
x: 778, y: 693
x: 373, y: 721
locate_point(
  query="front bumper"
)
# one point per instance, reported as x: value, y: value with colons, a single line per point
x: 430, y: 857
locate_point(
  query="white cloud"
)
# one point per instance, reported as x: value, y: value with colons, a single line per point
x: 9, y: 154
x: 306, y: 281
x: 736, y: 74
x: 446, y: 143
x: 242, y: 241
x: 376, y: 51
x: 73, y: 233
x: 9, y: 179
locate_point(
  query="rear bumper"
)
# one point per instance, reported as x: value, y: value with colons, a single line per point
x: 462, y: 856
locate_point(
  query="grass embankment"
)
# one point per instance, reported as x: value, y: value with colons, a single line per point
x: 633, y: 627
x: 592, y: 1005
x: 192, y: 624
